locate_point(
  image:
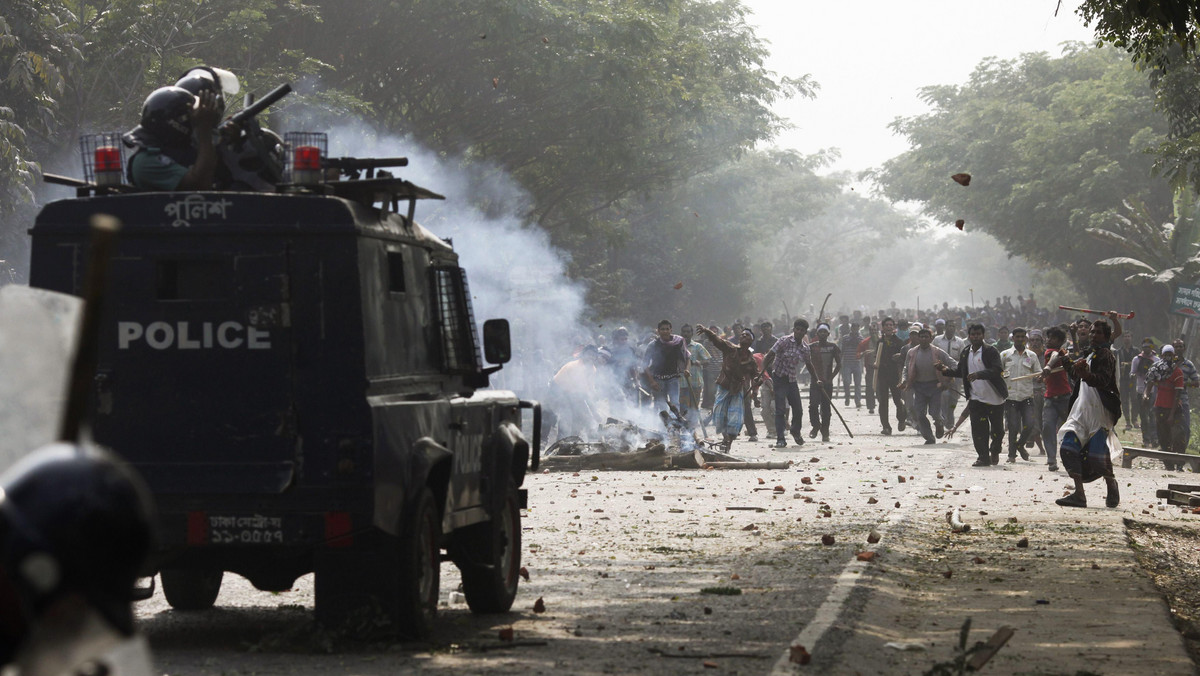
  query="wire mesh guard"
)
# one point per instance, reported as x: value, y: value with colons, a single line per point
x: 305, y: 150
x: 460, y: 350
x: 103, y: 158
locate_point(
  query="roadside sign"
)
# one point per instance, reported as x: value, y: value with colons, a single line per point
x: 1186, y: 301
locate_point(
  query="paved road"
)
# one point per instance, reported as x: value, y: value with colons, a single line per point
x: 625, y: 563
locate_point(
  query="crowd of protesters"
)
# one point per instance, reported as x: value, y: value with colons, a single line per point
x: 1055, y: 383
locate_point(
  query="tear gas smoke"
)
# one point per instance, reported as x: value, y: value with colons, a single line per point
x: 513, y: 270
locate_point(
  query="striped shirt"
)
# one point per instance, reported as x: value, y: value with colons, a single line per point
x: 789, y: 357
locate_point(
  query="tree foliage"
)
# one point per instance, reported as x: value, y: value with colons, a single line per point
x: 1160, y: 36
x: 585, y: 103
x: 37, y: 56
x: 602, y: 112
x: 846, y: 248
x: 1145, y: 28
x: 703, y: 234
x: 134, y: 47
x: 1054, y: 146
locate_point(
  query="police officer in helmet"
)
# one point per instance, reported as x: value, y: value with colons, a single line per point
x: 174, y: 142
x: 241, y: 164
x: 219, y: 81
x: 75, y: 531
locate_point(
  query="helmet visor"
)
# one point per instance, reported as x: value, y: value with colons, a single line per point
x: 223, y: 81
x: 228, y: 81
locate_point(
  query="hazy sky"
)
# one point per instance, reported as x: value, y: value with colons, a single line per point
x: 871, y: 56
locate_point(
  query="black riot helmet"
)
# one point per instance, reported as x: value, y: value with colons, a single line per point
x: 167, y: 114
x: 73, y: 520
x: 216, y: 80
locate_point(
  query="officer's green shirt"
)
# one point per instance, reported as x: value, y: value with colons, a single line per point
x: 152, y: 170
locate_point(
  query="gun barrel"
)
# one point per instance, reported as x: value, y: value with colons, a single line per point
x: 262, y: 104
x: 352, y: 163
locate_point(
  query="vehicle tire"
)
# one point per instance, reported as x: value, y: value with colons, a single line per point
x: 492, y: 557
x: 191, y: 589
x: 399, y: 579
x: 414, y: 586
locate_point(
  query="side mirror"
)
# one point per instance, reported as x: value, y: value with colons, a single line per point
x: 497, y: 346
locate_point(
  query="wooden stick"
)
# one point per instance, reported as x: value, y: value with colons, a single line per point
x: 83, y: 366
x: 1034, y: 375
x: 1094, y: 312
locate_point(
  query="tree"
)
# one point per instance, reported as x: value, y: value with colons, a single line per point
x: 585, y: 103
x: 1053, y: 145
x: 1157, y: 253
x: 1145, y: 27
x: 748, y: 236
x: 36, y: 53
x: 830, y: 251
x: 600, y: 111
x: 133, y: 49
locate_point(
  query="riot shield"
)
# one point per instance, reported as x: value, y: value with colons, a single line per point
x: 38, y: 335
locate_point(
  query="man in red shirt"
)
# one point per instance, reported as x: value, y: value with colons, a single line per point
x: 1058, y: 394
x: 1167, y: 402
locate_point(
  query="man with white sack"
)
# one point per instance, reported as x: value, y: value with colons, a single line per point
x: 1087, y: 443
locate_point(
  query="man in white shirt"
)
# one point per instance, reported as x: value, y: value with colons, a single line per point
x: 983, y: 383
x: 1019, y: 363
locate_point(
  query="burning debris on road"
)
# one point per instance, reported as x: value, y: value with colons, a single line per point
x: 623, y: 445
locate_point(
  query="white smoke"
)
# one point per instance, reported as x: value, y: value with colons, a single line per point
x: 513, y: 270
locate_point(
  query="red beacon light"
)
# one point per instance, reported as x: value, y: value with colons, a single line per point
x: 108, y: 159
x: 103, y: 159
x: 307, y: 157
x: 306, y: 165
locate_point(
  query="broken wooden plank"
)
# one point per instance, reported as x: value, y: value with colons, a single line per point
x: 750, y: 465
x: 512, y: 644
x: 990, y: 648
x: 1131, y: 452
x: 1179, y: 497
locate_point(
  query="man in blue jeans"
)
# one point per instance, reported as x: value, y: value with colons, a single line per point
x: 1183, y: 422
x: 665, y: 361
x: 1138, y: 369
x: 784, y: 361
x: 1058, y: 394
x: 851, y: 366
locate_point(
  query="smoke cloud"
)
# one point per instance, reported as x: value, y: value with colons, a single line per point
x: 513, y: 270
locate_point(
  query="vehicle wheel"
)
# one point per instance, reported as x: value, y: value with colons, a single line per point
x: 491, y: 573
x: 419, y: 571
x: 191, y: 589
x: 399, y: 579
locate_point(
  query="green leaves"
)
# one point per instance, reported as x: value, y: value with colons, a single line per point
x: 612, y: 116
x: 1143, y: 27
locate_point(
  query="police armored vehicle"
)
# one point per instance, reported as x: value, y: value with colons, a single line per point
x: 296, y: 373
